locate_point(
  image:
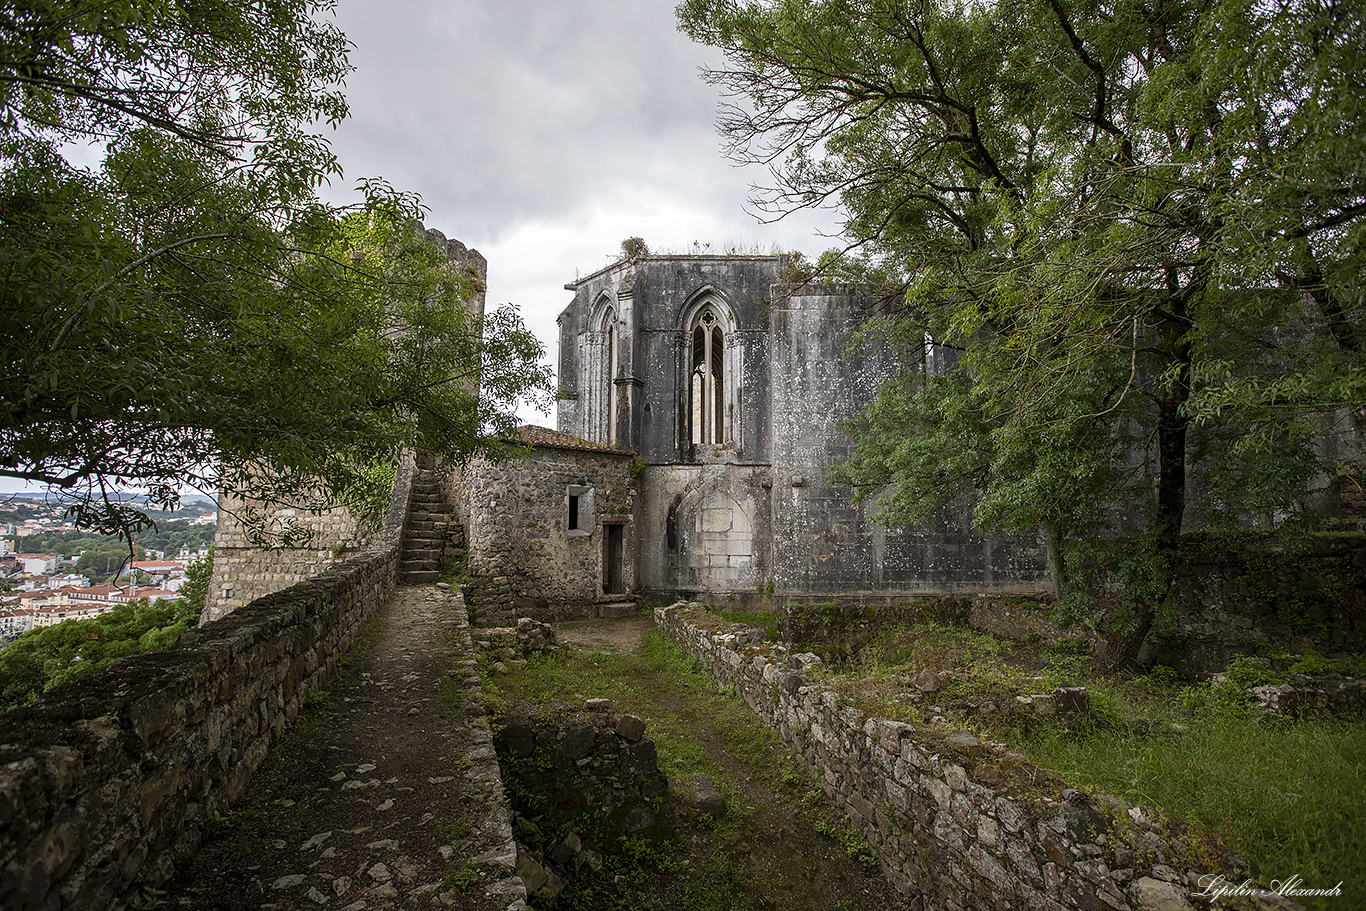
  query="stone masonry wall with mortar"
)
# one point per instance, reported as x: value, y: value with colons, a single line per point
x: 106, y: 783
x: 524, y: 560
x: 947, y: 835
x: 243, y: 570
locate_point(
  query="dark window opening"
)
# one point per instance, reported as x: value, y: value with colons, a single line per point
x: 573, y: 512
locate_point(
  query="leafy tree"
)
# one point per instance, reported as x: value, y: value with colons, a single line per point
x: 189, y: 312
x: 1138, y: 227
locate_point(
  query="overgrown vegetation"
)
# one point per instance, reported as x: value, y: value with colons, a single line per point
x: 736, y: 862
x: 1288, y: 794
x: 367, y: 496
x: 40, y: 659
x: 1119, y: 247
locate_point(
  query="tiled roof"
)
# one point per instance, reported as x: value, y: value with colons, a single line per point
x: 531, y: 435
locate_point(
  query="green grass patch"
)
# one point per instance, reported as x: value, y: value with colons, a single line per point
x: 659, y: 683
x: 765, y: 619
x: 1290, y: 796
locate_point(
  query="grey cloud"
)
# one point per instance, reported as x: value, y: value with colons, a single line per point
x: 501, y: 111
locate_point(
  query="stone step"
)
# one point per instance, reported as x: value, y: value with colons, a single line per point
x: 618, y: 610
x: 426, y: 525
x: 419, y: 576
x: 422, y: 556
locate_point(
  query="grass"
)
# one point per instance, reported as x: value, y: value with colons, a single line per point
x: 647, y: 684
x: 1290, y: 795
x: 765, y: 619
x: 692, y: 721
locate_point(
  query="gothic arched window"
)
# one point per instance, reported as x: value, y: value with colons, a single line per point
x: 602, y: 389
x: 707, y: 411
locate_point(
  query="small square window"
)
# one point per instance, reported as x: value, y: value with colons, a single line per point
x: 578, y: 511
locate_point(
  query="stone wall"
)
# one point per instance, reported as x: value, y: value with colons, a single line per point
x: 106, y: 783
x: 524, y: 560
x: 247, y: 567
x: 1254, y: 600
x: 950, y: 830
x: 581, y: 779
x: 842, y: 626
x: 1258, y: 600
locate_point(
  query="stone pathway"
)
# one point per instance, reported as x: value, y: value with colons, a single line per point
x: 386, y: 794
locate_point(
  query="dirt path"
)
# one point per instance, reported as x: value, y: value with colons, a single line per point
x: 379, y: 798
x: 779, y: 847
x: 626, y: 635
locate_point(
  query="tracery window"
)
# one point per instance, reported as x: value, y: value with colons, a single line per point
x: 708, y: 418
x: 602, y: 404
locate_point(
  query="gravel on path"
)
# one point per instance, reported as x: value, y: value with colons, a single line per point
x: 386, y: 794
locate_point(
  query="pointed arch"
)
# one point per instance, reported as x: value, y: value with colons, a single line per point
x: 601, y: 368
x: 709, y: 396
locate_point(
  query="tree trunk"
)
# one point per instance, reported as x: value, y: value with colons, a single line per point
x: 1121, y: 649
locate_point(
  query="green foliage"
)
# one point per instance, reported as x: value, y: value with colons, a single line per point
x: 148, y: 898
x: 1124, y: 240
x: 1291, y: 797
x: 189, y: 313
x: 43, y: 658
x: 367, y: 498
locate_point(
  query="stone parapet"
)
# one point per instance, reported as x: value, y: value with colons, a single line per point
x: 108, y: 782
x: 945, y: 828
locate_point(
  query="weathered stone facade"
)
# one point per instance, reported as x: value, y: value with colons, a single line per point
x: 732, y: 384
x: 245, y: 568
x: 948, y: 831
x: 551, y: 535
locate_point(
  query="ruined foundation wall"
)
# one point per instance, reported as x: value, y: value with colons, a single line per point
x: 944, y: 828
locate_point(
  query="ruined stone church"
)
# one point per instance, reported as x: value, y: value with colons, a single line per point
x: 701, y: 408
x: 702, y: 402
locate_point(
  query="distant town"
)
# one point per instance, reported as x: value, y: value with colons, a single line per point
x: 51, y: 572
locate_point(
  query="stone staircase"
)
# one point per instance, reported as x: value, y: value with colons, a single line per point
x: 424, y: 538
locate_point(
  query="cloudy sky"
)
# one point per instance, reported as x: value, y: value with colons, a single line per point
x: 545, y: 133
